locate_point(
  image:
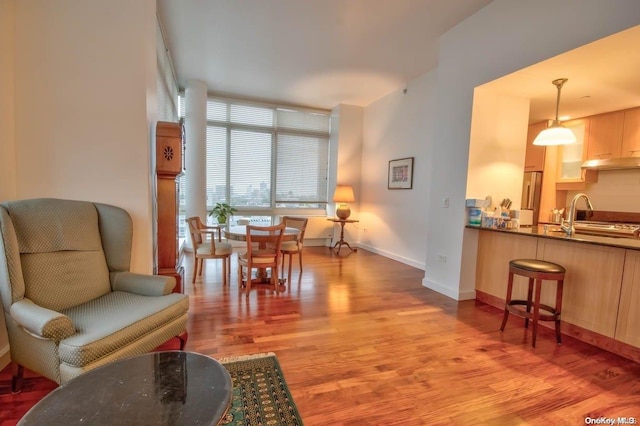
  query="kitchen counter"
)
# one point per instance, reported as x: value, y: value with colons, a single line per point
x: 538, y: 231
x: 601, y: 286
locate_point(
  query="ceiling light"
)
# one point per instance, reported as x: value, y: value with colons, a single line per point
x: 556, y: 134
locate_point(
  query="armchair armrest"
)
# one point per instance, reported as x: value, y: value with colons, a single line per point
x: 144, y: 285
x: 211, y: 230
x: 42, y: 322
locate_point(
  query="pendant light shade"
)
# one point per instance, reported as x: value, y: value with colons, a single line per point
x: 556, y: 134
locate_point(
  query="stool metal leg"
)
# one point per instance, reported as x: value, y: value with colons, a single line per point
x: 558, y: 310
x: 536, y: 312
x: 529, y: 297
x: 507, y: 301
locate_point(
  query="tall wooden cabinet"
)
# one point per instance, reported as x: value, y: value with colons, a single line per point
x: 169, y: 167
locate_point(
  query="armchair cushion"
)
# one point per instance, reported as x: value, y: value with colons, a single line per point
x: 70, y: 302
x: 42, y: 322
x: 144, y: 285
x: 220, y: 249
x: 116, y: 320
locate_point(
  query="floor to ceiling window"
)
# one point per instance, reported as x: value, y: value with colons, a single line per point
x: 266, y: 160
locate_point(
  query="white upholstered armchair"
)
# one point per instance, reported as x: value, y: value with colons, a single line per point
x: 69, y: 300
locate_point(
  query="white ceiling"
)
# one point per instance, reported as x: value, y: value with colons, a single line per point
x: 321, y: 53
x: 602, y: 76
x: 317, y: 53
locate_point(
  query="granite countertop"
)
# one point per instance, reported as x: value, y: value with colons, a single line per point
x: 538, y: 231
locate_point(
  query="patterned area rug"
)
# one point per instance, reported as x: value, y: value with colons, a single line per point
x: 260, y: 394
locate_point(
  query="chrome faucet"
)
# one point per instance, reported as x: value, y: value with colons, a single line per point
x: 567, y: 226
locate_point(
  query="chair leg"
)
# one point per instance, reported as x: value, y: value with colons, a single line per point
x: 200, y: 270
x: 289, y: 276
x: 558, y: 309
x: 536, y: 313
x: 17, y: 379
x: 300, y: 260
x: 506, y: 303
x: 183, y: 340
x: 224, y: 271
x: 195, y: 268
x: 529, y: 298
x: 283, y: 256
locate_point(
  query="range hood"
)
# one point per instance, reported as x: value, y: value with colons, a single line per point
x: 613, y: 164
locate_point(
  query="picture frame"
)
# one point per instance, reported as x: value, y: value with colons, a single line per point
x: 400, y: 173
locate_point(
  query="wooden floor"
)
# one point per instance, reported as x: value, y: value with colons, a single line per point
x: 362, y: 342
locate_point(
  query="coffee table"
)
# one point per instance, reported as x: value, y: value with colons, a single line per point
x: 173, y: 387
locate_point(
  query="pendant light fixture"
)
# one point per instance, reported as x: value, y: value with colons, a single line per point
x: 556, y: 134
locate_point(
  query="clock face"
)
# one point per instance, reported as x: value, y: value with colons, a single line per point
x: 168, y: 153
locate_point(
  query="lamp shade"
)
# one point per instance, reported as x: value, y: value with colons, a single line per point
x: 343, y: 194
x: 557, y: 134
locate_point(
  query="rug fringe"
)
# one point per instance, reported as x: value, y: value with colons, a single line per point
x: 235, y: 358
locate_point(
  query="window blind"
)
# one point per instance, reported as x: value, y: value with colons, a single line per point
x: 262, y: 156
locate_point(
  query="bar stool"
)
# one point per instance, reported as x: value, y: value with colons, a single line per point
x: 535, y: 270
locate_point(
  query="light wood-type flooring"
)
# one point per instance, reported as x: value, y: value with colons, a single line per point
x: 362, y: 342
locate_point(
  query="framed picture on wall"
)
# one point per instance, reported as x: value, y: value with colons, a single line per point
x: 400, y: 174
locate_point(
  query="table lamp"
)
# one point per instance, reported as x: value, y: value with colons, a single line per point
x: 342, y: 196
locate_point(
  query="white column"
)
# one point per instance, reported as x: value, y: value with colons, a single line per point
x: 195, y: 149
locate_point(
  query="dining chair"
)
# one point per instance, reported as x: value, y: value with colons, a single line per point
x: 293, y: 247
x: 263, y: 251
x: 211, y: 248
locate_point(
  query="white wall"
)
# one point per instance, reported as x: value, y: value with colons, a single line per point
x: 400, y: 125
x: 346, y: 160
x: 498, y: 140
x: 85, y: 92
x: 7, y: 145
x: 503, y: 37
x: 7, y: 128
x: 615, y: 191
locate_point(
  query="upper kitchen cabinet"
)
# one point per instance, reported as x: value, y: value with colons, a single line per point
x: 571, y: 157
x: 605, y: 136
x: 534, y: 156
x: 631, y: 133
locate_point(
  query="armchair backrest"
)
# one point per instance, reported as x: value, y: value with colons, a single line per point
x: 59, y: 253
x: 194, y: 224
x: 268, y: 240
x: 298, y: 223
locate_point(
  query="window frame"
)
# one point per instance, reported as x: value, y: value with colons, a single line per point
x: 275, y: 130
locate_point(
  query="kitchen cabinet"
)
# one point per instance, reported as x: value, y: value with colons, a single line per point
x: 534, y: 155
x: 601, y: 288
x: 605, y: 136
x: 627, y: 330
x: 631, y: 133
x: 571, y: 157
x: 592, y: 282
x: 495, y: 250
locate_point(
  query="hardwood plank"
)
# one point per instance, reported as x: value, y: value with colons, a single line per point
x: 362, y: 342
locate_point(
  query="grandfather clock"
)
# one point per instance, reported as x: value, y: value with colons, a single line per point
x: 169, y: 166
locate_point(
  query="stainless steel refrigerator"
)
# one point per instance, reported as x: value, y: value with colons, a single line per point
x: 531, y: 193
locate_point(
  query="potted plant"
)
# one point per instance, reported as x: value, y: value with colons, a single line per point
x: 222, y: 211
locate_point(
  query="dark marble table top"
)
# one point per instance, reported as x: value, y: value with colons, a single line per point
x: 158, y: 388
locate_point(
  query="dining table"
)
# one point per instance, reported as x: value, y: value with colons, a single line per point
x: 239, y: 233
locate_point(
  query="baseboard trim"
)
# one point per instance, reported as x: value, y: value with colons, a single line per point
x: 401, y: 259
x: 440, y: 289
x: 598, y: 340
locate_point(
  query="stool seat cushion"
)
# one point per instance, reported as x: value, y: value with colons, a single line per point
x: 535, y: 265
